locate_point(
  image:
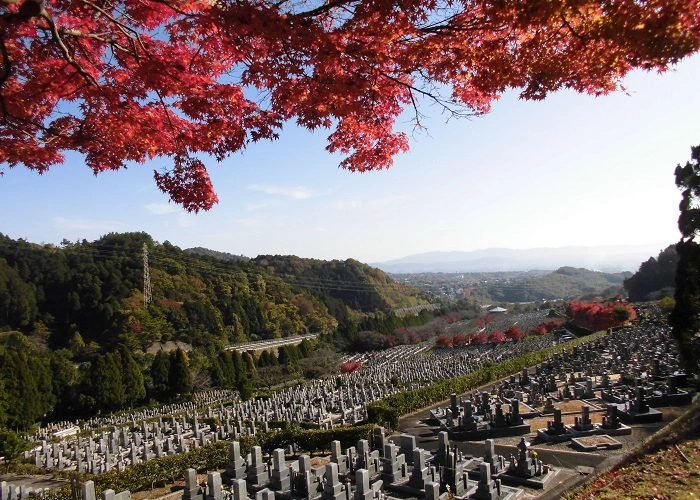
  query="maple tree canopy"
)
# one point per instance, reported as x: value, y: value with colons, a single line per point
x: 131, y: 80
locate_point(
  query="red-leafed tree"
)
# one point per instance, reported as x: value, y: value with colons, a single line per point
x: 496, y: 337
x: 547, y: 327
x: 134, y: 80
x: 478, y: 338
x: 350, y: 366
x: 460, y: 339
x: 489, y: 318
x: 444, y: 341
x: 596, y: 316
x: 514, y: 333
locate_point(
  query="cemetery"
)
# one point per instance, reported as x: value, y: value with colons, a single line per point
x: 593, y: 378
x: 584, y: 399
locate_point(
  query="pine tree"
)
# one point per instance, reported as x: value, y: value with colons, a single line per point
x: 228, y: 369
x: 106, y: 383
x: 216, y: 374
x: 685, y: 318
x: 132, y: 377
x: 180, y: 375
x: 160, y: 376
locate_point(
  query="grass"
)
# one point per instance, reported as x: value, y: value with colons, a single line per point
x: 665, y: 466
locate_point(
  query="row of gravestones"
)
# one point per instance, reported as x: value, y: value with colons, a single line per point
x: 633, y: 403
x: 210, y: 397
x: 325, y: 401
x: 122, y: 447
x: 525, y: 321
x: 400, y: 360
x: 326, y: 397
x: 441, y: 364
x: 364, y: 472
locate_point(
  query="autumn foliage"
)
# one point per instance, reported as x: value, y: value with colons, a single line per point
x: 597, y: 316
x: 496, y: 337
x: 350, y: 366
x: 444, y: 341
x: 478, y: 338
x: 514, y: 333
x: 181, y: 81
x: 547, y: 327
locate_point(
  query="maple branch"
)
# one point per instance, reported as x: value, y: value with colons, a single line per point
x: 322, y: 9
x: 120, y: 26
x: 7, y: 114
x: 572, y: 30
x: 6, y: 62
x: 101, y: 38
x: 447, y: 24
x: 167, y: 114
x: 173, y: 8
x: 443, y: 103
x: 64, y: 50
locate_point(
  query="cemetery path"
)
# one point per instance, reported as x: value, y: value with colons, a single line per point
x: 34, y: 482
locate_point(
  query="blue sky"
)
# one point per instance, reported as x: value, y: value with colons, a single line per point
x: 570, y: 170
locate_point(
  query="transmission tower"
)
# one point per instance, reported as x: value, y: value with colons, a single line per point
x: 147, y: 297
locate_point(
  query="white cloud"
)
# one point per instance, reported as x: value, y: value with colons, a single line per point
x: 357, y: 204
x: 296, y: 193
x: 249, y: 222
x: 348, y: 204
x: 259, y: 206
x: 161, y: 208
x: 185, y: 219
x: 387, y: 200
x: 86, y: 224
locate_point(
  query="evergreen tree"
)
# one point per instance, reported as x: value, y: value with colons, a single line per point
x: 264, y: 359
x: 132, y: 377
x: 25, y: 379
x: 106, y: 383
x: 685, y: 318
x: 11, y: 445
x: 180, y: 375
x: 284, y: 355
x: 238, y: 366
x: 245, y: 374
x: 306, y: 348
x: 216, y: 374
x: 249, y: 364
x: 160, y: 376
x: 228, y: 368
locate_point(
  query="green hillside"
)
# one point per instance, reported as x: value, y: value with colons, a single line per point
x: 359, y: 286
x: 75, y: 328
x: 91, y: 293
x: 564, y: 283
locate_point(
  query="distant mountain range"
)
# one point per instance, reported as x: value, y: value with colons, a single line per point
x: 611, y: 258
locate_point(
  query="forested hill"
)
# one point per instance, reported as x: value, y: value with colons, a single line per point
x: 359, y: 286
x: 564, y: 283
x: 214, y: 253
x: 88, y: 295
x: 656, y: 277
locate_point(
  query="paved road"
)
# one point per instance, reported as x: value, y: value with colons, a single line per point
x: 263, y: 345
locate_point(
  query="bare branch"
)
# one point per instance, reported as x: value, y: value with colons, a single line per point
x: 445, y: 104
